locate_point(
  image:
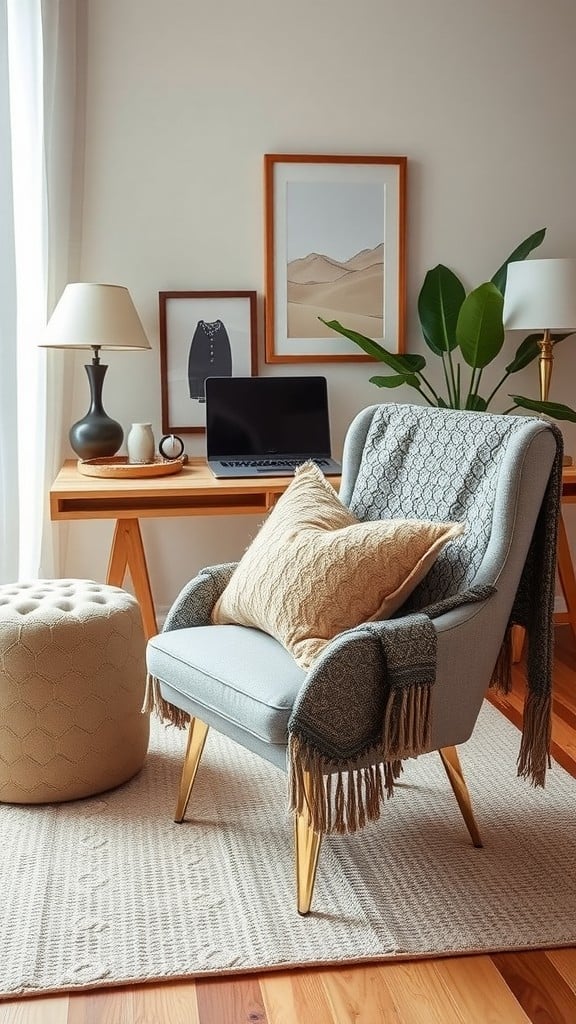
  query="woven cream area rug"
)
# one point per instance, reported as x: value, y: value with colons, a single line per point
x: 109, y: 890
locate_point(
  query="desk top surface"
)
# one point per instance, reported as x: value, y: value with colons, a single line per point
x: 194, y: 490
x: 195, y: 476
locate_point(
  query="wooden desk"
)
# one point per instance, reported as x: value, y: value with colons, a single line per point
x: 191, y: 492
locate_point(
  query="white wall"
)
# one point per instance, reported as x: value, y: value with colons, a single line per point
x: 183, y: 100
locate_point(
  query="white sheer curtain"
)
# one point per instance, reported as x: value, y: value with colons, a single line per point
x: 8, y: 407
x: 40, y: 123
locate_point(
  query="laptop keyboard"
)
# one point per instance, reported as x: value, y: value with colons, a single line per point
x: 273, y: 463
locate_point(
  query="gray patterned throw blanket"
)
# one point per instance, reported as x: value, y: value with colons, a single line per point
x: 367, y: 698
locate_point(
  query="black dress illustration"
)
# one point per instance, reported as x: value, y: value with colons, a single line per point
x: 210, y: 356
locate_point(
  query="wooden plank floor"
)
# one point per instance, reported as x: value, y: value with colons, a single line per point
x: 507, y: 988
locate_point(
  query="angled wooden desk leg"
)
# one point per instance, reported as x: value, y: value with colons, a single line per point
x: 127, y: 553
x: 566, y: 576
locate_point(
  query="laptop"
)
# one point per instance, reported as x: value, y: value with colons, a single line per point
x: 267, y: 426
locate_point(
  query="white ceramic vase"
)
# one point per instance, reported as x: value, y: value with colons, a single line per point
x: 140, y: 443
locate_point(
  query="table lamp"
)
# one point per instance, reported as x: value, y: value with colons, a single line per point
x: 541, y: 296
x: 95, y: 316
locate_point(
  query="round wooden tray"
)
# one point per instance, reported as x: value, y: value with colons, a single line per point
x: 118, y: 466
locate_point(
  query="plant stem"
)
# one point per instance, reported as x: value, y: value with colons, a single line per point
x: 425, y: 396
x: 453, y: 380
x: 511, y: 409
x: 430, y: 388
x: 497, y: 388
x: 475, y: 377
x: 447, y: 379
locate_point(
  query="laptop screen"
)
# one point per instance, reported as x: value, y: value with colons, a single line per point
x: 261, y: 416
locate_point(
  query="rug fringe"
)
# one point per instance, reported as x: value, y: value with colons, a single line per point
x: 166, y: 712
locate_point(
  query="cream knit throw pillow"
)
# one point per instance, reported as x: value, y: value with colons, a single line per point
x: 314, y: 570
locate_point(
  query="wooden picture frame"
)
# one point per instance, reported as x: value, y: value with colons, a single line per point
x: 202, y: 334
x: 335, y: 246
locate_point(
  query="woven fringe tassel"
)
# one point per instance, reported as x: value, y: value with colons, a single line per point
x: 166, y: 712
x: 339, y: 819
x: 502, y: 675
x: 406, y: 730
x: 361, y: 813
x: 534, y: 756
x: 328, y: 804
x: 338, y: 801
x: 374, y: 791
x: 351, y: 808
x: 318, y: 807
x: 392, y: 771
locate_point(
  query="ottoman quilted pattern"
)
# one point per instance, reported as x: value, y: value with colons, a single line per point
x: 72, y: 679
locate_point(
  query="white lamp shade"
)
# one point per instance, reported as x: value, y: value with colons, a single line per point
x: 541, y: 295
x: 90, y: 315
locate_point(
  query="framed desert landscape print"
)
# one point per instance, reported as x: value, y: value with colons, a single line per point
x: 335, y: 231
x: 202, y: 334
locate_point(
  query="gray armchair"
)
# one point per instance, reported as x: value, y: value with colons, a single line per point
x: 500, y: 475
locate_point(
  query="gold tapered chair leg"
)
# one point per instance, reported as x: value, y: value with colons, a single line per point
x: 451, y: 763
x: 197, y: 732
x: 307, y: 848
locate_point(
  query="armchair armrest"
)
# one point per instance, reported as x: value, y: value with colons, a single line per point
x: 342, y: 703
x: 195, y: 602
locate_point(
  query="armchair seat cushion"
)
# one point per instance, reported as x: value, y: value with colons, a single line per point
x: 254, y: 688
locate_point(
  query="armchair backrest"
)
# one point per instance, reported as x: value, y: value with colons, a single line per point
x: 441, y: 464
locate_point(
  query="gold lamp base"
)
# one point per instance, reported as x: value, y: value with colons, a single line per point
x: 545, y: 364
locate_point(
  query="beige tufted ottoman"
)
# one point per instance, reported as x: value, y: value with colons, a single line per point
x: 72, y: 679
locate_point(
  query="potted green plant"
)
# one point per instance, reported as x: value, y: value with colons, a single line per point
x: 466, y: 332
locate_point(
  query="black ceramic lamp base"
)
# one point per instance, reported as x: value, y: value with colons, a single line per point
x: 96, y: 436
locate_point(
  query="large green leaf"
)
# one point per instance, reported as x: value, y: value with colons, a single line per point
x: 479, y: 330
x: 525, y: 353
x: 439, y: 302
x: 400, y: 363
x: 520, y: 253
x: 555, y: 410
x: 530, y: 350
x: 395, y: 381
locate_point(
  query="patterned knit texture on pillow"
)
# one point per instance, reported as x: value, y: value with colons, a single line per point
x: 314, y: 570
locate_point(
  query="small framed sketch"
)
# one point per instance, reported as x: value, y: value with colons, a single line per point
x: 202, y: 334
x: 335, y: 248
